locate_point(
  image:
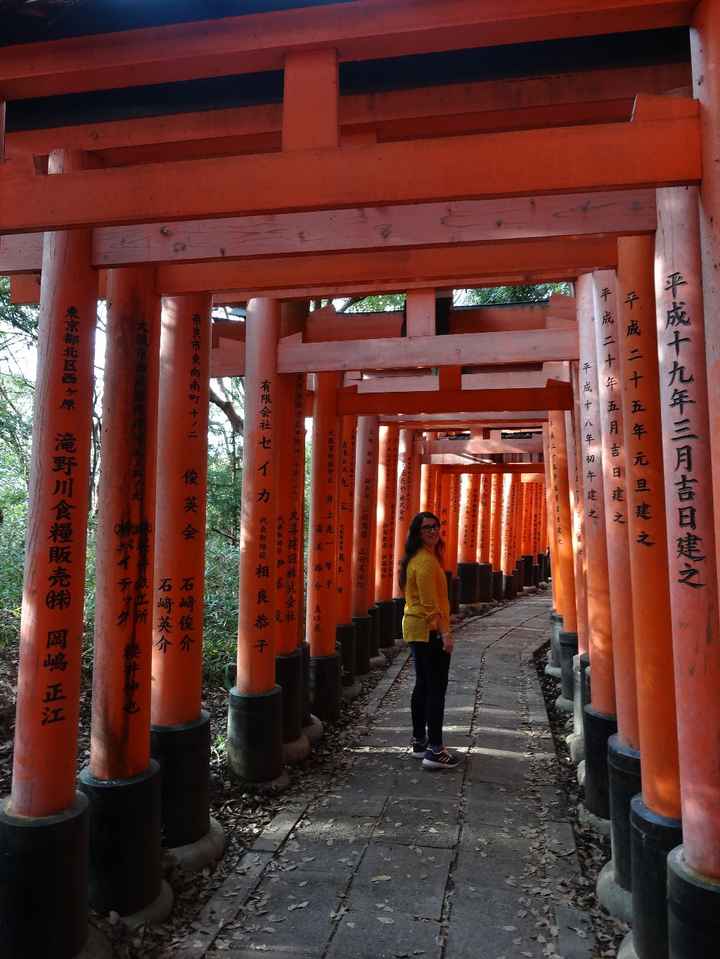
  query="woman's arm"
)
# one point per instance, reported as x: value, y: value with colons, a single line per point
x: 427, y: 593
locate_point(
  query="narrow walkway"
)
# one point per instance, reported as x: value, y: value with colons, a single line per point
x: 401, y: 862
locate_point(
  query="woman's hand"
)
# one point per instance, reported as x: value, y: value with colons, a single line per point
x: 448, y: 643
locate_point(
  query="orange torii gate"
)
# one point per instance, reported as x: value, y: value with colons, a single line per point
x: 169, y: 207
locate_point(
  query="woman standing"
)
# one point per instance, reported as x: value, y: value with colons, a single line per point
x: 426, y: 627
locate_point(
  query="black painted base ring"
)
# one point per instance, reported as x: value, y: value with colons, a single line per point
x: 623, y: 783
x: 345, y: 645
x: 597, y: 730
x: 125, y: 832
x: 386, y: 614
x: 374, y: 614
x: 289, y: 677
x: 485, y: 583
x: 498, y: 585
x: 468, y: 576
x: 325, y: 687
x: 693, y: 910
x: 651, y: 839
x: 43, y: 882
x: 254, y: 743
x: 362, y: 626
x: 399, y: 602
x: 568, y: 643
x: 183, y: 752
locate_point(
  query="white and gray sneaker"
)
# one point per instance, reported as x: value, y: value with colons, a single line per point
x: 445, y: 759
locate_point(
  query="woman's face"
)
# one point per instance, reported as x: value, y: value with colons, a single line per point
x: 430, y: 531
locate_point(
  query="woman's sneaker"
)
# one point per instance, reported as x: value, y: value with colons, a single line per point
x: 442, y: 760
x: 418, y: 747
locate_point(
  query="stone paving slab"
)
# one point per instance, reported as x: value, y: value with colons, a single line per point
x: 398, y: 862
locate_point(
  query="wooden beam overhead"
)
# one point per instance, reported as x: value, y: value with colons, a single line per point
x: 557, y: 397
x: 364, y: 30
x: 475, y: 447
x: 530, y: 468
x: 613, y: 156
x: 620, y: 213
x: 385, y: 112
x: 344, y: 273
x: 424, y: 351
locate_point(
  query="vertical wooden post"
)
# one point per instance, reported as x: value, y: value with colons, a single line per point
x: 415, y: 459
x: 694, y: 867
x: 47, y: 861
x: 290, y: 659
x: 385, y: 532
x: 577, y: 510
x: 121, y: 770
x: 468, y: 569
x: 346, y: 503
x: 655, y: 814
x: 321, y: 619
x: 453, y: 523
x: 599, y: 717
x: 556, y: 614
x: 366, y: 460
x: 425, y: 488
x: 496, y: 512
x: 180, y: 733
x: 406, y: 507
x: 256, y: 699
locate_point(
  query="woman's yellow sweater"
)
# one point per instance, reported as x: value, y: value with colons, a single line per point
x: 426, y: 598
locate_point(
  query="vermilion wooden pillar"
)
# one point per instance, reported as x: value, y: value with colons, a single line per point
x: 346, y: 632
x: 180, y: 734
x: 385, y: 532
x: 564, y: 570
x: 321, y: 617
x: 366, y: 460
x: 407, y: 505
x: 46, y: 860
x: 444, y: 516
x: 556, y: 614
x: 468, y: 569
x: 291, y: 660
x: 615, y: 880
x: 694, y: 867
x: 121, y: 774
x: 425, y: 488
x: 599, y: 721
x: 256, y: 699
x: 453, y: 523
x: 496, y: 516
x: 655, y: 815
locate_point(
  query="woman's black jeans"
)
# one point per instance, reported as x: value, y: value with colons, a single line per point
x: 427, y: 704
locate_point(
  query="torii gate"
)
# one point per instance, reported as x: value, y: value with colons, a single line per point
x: 124, y: 197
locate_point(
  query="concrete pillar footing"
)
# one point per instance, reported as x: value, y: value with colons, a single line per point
x: 349, y: 693
x: 314, y: 730
x: 155, y: 913
x: 296, y: 750
x: 378, y: 662
x: 553, y: 671
x: 590, y: 820
x: 576, y: 745
x: 627, y: 948
x: 564, y: 705
x: 97, y: 946
x: 194, y: 856
x: 611, y: 895
x: 581, y: 775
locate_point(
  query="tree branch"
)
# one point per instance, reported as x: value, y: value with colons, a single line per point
x: 236, y: 421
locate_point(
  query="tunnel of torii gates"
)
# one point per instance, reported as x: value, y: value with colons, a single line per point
x: 589, y: 424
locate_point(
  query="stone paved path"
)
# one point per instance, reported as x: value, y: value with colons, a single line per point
x: 400, y: 862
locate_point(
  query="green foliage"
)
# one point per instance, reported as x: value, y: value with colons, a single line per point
x: 506, y: 295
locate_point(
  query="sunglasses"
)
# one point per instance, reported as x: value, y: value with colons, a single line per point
x: 430, y: 529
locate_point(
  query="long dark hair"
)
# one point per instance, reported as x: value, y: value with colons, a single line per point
x: 414, y: 542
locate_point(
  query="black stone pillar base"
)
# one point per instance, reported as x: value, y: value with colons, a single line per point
x: 498, y: 585
x: 399, y: 602
x: 374, y: 614
x: 651, y: 839
x: 576, y: 740
x: 125, y: 832
x: 43, y: 882
x: 468, y: 576
x: 511, y: 585
x: 454, y: 594
x: 325, y: 687
x: 183, y: 752
x: 362, y: 626
x: 527, y: 564
x: 386, y: 612
x: 519, y: 571
x: 289, y: 677
x: 598, y: 728
x: 568, y: 643
x: 305, y: 657
x: 693, y: 910
x: 345, y: 643
x: 624, y: 783
x: 255, y: 737
x: 536, y: 575
x: 485, y: 583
